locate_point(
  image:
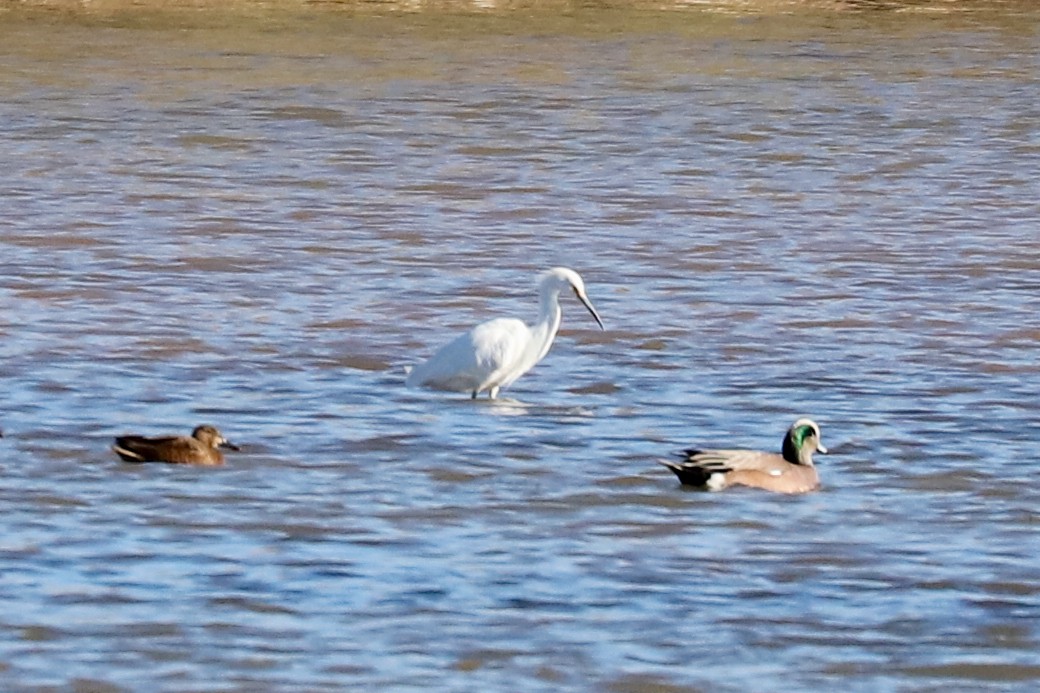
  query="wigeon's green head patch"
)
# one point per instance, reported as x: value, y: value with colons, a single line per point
x: 802, y: 439
x: 800, y: 433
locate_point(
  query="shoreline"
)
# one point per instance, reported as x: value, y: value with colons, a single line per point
x: 410, y: 6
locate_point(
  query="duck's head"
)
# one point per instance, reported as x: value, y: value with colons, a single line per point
x: 211, y: 437
x: 801, y: 441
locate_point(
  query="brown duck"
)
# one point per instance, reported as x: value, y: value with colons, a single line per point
x: 201, y: 448
x: 792, y: 471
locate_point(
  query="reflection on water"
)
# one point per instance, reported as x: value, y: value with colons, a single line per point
x: 259, y: 217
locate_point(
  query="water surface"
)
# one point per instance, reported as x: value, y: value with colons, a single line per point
x: 259, y: 217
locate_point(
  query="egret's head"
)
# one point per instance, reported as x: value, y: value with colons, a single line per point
x: 559, y: 278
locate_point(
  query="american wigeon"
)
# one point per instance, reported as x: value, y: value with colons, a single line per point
x: 200, y: 448
x: 792, y: 471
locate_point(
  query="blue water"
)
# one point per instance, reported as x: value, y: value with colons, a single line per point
x: 258, y: 220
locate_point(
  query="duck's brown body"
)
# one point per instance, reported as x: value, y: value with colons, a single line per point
x: 201, y: 448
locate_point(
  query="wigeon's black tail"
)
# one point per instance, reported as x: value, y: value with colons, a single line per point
x: 689, y: 473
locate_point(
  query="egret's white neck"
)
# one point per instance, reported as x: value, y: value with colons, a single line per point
x: 544, y: 331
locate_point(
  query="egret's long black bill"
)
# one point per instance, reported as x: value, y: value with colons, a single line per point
x: 588, y: 304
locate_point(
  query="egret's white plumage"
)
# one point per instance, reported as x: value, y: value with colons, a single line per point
x: 497, y: 352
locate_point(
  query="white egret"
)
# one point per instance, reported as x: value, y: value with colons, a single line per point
x: 497, y: 352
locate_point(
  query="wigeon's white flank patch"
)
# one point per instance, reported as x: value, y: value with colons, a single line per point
x: 716, y: 482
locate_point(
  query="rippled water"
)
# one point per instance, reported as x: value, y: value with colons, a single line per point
x: 259, y: 218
